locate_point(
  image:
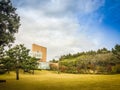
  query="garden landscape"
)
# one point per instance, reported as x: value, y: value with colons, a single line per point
x: 59, y: 45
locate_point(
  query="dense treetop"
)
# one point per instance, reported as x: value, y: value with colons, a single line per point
x: 9, y: 22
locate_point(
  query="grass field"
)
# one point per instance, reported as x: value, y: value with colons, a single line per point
x: 48, y: 80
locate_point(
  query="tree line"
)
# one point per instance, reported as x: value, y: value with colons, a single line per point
x: 100, y: 61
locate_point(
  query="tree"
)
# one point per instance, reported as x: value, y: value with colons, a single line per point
x: 9, y: 25
x: 116, y: 51
x: 32, y: 64
x: 29, y: 64
x: 8, y: 63
x: 54, y: 61
x: 1, y: 54
x: 103, y: 51
x: 18, y: 54
x: 9, y: 22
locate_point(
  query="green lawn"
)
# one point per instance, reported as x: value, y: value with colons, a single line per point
x: 48, y: 80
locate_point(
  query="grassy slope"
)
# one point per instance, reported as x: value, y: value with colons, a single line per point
x: 46, y: 80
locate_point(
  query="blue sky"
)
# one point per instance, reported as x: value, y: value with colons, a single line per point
x: 68, y: 26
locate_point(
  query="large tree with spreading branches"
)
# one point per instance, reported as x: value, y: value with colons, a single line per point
x: 9, y: 24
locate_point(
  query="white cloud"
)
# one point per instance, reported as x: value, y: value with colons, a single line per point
x: 60, y: 34
x: 88, y: 6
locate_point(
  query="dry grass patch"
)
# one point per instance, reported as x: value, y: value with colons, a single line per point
x: 48, y: 80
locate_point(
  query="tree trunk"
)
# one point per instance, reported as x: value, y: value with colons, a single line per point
x: 17, y: 73
x: 8, y: 71
x: 33, y: 71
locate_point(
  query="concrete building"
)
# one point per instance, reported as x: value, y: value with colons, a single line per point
x: 39, y: 52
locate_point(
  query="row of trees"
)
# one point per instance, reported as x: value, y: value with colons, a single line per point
x: 99, y: 51
x: 100, y: 61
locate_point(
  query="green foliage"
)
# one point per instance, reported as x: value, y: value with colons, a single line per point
x: 2, y: 69
x: 93, y: 53
x: 102, y: 51
x: 9, y: 25
x: 18, y: 54
x: 30, y: 64
x: 54, y: 61
x: 18, y: 57
x: 116, y: 52
x: 100, y: 61
x: 1, y: 52
x: 8, y: 63
x: 9, y: 22
x: 118, y: 68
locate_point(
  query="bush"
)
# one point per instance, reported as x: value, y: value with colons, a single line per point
x: 118, y: 68
x: 53, y: 67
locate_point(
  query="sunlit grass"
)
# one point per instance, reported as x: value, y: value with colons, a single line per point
x: 48, y: 80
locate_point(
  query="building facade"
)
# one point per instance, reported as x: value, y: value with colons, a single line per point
x: 39, y: 52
